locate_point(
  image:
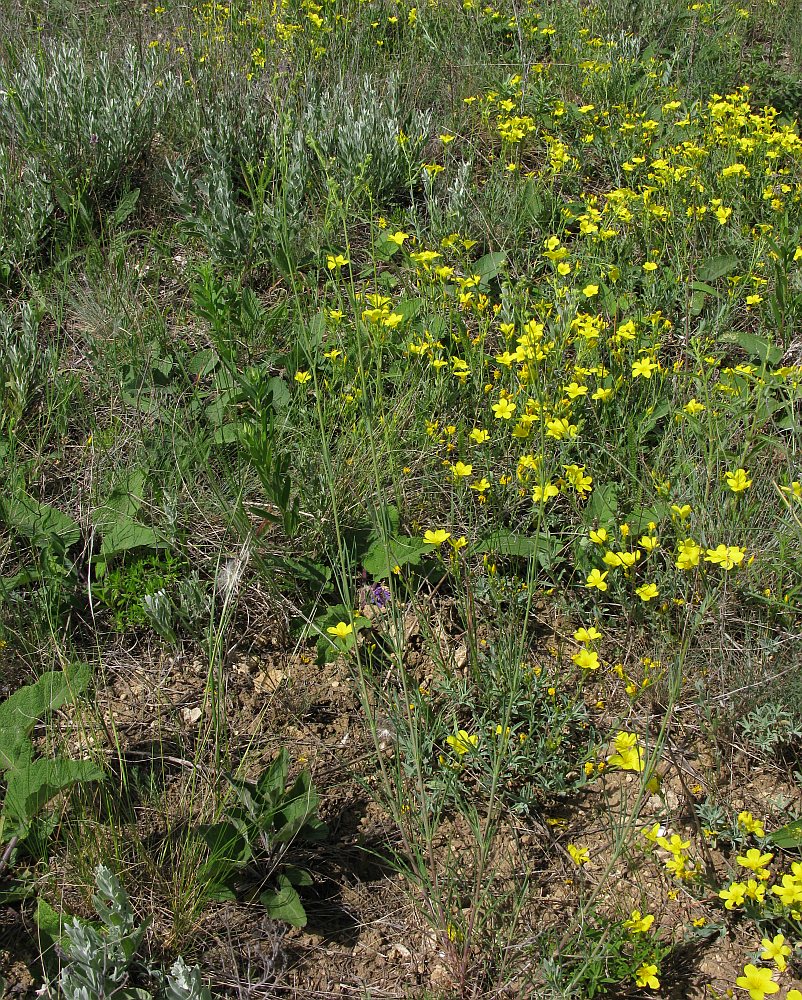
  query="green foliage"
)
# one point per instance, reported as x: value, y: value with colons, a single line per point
x: 353, y: 129
x: 269, y: 818
x: 116, y: 520
x: 26, y: 208
x: 125, y: 587
x: 100, y: 958
x: 88, y: 120
x: 770, y: 729
x: 24, y: 366
x: 605, y: 957
x: 245, y: 200
x: 31, y: 781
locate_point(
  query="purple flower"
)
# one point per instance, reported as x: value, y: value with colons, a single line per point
x: 379, y: 595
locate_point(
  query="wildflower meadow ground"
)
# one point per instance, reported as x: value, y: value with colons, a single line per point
x: 401, y: 559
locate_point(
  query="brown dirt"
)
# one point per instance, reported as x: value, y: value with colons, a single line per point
x: 366, y: 935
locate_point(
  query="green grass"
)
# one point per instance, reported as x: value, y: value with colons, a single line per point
x: 415, y: 389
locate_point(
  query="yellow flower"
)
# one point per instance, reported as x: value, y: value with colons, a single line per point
x: 503, y: 409
x: 335, y: 262
x: 462, y: 742
x: 733, y: 896
x: 587, y: 634
x: 688, y: 554
x: 790, y: 892
x: 560, y: 428
x: 598, y: 535
x: 638, y: 924
x: 482, y: 485
x: 725, y: 556
x: 478, y: 435
x: 693, y: 407
x: 644, y: 368
x: 596, y: 579
x: 646, y: 975
x: 776, y: 951
x: 650, y: 266
x: 544, y: 493
x: 341, y: 630
x: 302, y: 377
x: 647, y: 592
x: 586, y: 659
x: 579, y: 855
x: 460, y: 470
x: 757, y: 982
x: 590, y: 290
x: 738, y: 481
x: 628, y: 753
x: 397, y: 238
x: 748, y: 822
x: 756, y: 890
x: 436, y: 537
x: 753, y: 859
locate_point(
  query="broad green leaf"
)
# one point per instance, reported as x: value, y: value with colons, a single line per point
x: 284, y: 903
x: 226, y: 844
x: 642, y: 516
x: 299, y: 803
x: 531, y: 203
x: 717, y: 267
x: 203, y: 363
x: 38, y: 521
x: 489, y: 266
x: 280, y: 393
x: 700, y: 286
x: 219, y: 892
x: 49, y: 921
x: 316, y: 328
x: 788, y: 836
x: 758, y: 347
x: 123, y: 502
x: 603, y: 504
x: 385, y: 249
x: 125, y: 206
x: 408, y: 308
x: 20, y: 712
x: 31, y: 784
x: 513, y: 543
x: 649, y: 421
x: 24, y: 578
x: 381, y: 559
x: 228, y: 433
x: 697, y: 304
x: 273, y: 779
x: 127, y: 534
x: 298, y: 876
